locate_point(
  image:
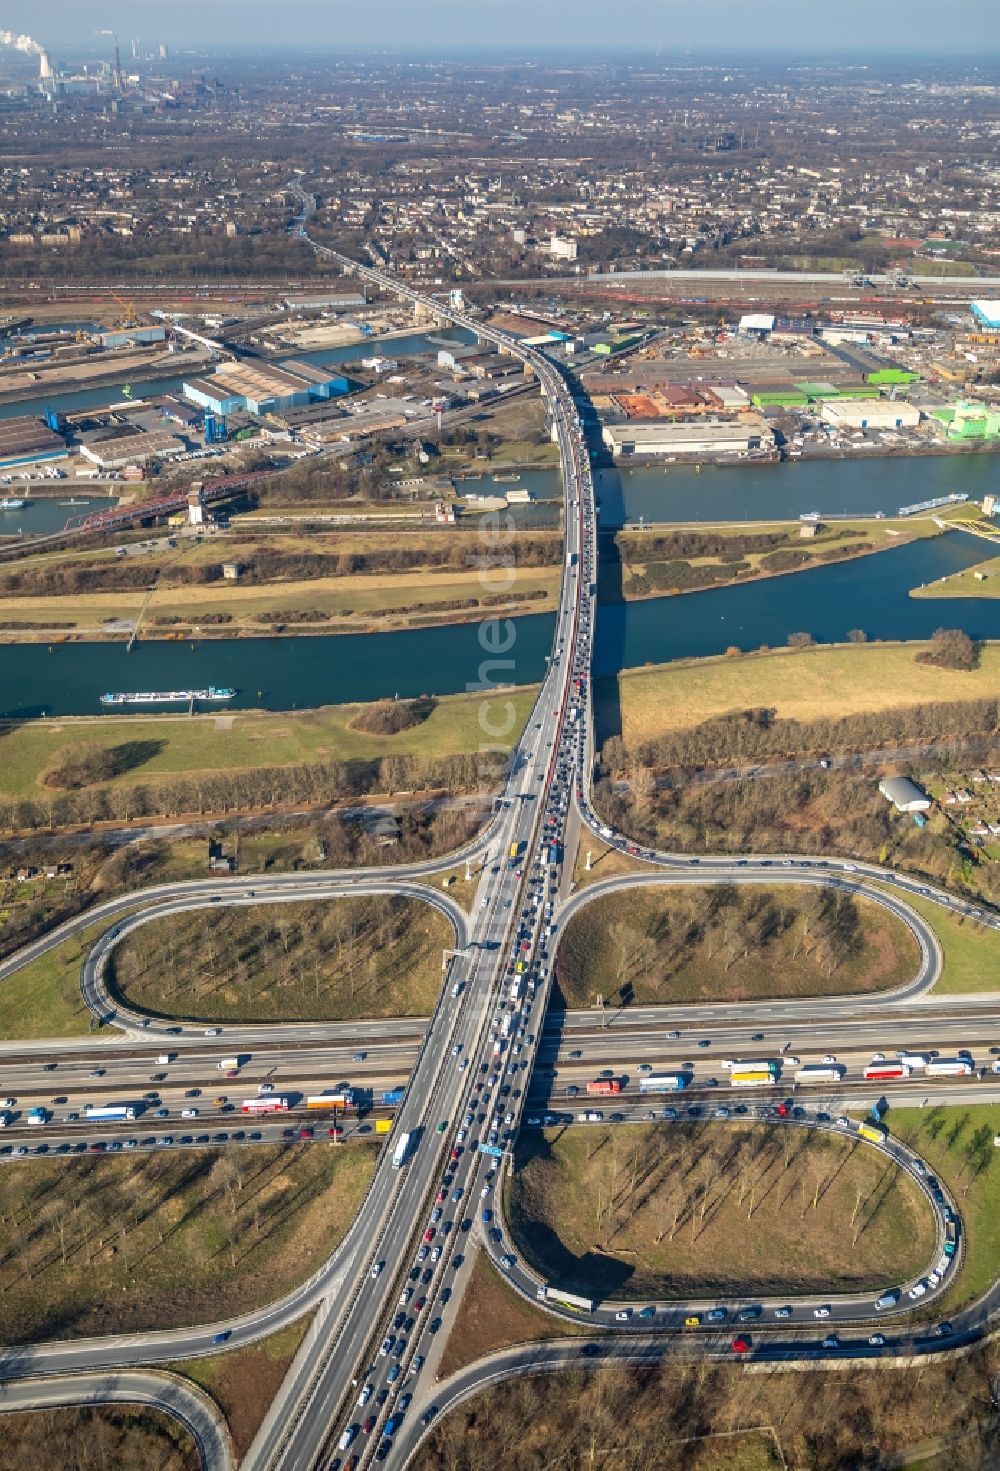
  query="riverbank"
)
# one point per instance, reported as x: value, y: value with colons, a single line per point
x: 323, y: 606
x: 97, y: 373
x: 693, y: 557
x: 279, y: 582
x: 820, y: 683
x: 144, y: 747
x: 980, y: 581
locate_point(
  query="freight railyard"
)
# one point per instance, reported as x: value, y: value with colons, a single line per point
x: 488, y: 959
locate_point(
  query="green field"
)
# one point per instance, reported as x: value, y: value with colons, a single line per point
x: 810, y: 684
x: 971, y: 951
x: 167, y: 1238
x: 965, y: 584
x: 181, y: 745
x: 644, y: 1212
x: 380, y: 599
x: 957, y: 1143
x: 43, y: 998
x: 717, y: 943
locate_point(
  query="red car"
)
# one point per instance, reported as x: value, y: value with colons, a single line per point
x: 335, y: 1133
x: 442, y: 1196
x: 420, y: 1304
x: 742, y: 1344
x: 429, y: 1234
x: 454, y: 1155
x: 369, y: 1425
x: 305, y: 1133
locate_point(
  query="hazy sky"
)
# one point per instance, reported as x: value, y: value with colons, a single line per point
x: 925, y: 26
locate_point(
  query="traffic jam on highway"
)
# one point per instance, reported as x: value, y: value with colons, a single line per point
x: 368, y: 1368
x: 495, y: 1076
x: 762, y: 1072
x: 335, y: 1115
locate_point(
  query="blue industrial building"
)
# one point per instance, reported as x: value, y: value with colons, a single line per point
x: 986, y: 313
x: 260, y: 388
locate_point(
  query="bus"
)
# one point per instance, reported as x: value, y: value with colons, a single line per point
x: 266, y: 1103
x: 663, y: 1083
x: 604, y: 1085
x: 760, y: 1075
x: 879, y: 1070
x: 874, y: 1134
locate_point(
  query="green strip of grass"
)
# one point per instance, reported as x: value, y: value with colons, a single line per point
x: 237, y: 741
x: 244, y: 1381
x: 43, y: 998
x: 971, y: 951
x: 957, y: 1143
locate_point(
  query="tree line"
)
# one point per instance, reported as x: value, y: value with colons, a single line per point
x: 757, y: 733
x: 308, y: 783
x: 263, y: 564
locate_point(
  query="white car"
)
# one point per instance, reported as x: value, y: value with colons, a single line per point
x: 878, y: 1057
x: 823, y: 1312
x: 917, y: 1290
x: 484, y: 1192
x: 189, y: 1113
x: 376, y: 1269
x: 829, y: 1057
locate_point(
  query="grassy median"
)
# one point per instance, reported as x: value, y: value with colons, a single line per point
x: 162, y: 1239
x: 971, y: 951
x: 656, y: 945
x: 376, y: 955
x: 244, y: 1381
x: 643, y: 1212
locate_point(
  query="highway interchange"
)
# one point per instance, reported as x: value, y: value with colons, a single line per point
x: 520, y: 908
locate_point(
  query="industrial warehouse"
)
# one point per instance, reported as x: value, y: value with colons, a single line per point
x: 263, y: 389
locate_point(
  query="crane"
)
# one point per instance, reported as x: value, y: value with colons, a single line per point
x: 130, y: 319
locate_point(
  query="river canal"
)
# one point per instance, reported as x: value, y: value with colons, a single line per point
x: 871, y: 593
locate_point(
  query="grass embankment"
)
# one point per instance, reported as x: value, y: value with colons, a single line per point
x: 658, y: 945
x: 102, y: 1438
x: 646, y: 574
x: 244, y: 1382
x: 377, y: 955
x: 156, y: 746
x: 971, y: 951
x: 43, y: 998
x: 639, y: 1211
x: 957, y: 1143
x: 717, y: 1417
x: 822, y: 683
x: 122, y: 1243
x: 493, y: 1316
x: 981, y: 581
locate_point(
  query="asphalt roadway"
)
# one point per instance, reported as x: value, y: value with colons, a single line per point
x: 180, y: 1398
x: 396, y: 1244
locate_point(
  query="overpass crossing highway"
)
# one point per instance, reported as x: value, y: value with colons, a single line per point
x: 496, y: 984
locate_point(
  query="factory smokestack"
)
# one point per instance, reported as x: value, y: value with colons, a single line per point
x: 44, y: 68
